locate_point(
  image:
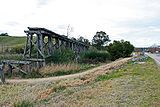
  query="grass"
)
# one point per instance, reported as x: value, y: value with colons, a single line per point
x: 64, y: 69
x: 54, y: 70
x: 133, y: 85
x: 115, y: 74
x: 143, y: 88
x: 11, y: 57
x: 12, y: 41
x: 23, y: 104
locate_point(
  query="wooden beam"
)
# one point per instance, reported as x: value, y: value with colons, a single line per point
x: 15, y: 62
x: 36, y: 60
x: 18, y: 69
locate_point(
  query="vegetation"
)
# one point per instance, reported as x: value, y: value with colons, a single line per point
x: 100, y: 40
x: 94, y: 56
x: 82, y: 39
x: 119, y: 49
x: 132, y: 85
x: 12, y: 44
x: 4, y: 34
x: 11, y: 57
x: 13, y: 41
x: 23, y: 104
x: 64, y: 69
x: 62, y: 56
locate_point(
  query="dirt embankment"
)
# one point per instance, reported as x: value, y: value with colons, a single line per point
x: 87, y: 75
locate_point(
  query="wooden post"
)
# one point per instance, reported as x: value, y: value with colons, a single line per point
x: 57, y: 43
x: 28, y: 67
x: 2, y: 73
x: 38, y: 47
x: 50, y: 45
x: 30, y: 45
x: 26, y: 47
x: 41, y: 41
x: 10, y: 68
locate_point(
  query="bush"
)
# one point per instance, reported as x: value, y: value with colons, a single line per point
x: 119, y: 49
x: 62, y: 56
x: 17, y: 50
x: 93, y: 56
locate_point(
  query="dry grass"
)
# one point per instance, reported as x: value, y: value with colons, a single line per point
x: 60, y: 67
x: 133, y: 85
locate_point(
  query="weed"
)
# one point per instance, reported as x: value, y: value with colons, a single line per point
x: 108, y: 76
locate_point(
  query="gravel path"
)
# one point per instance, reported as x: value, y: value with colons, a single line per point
x: 96, y: 71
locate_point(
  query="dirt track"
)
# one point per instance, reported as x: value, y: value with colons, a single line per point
x: 89, y: 73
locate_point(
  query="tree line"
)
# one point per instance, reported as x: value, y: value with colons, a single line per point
x: 116, y: 49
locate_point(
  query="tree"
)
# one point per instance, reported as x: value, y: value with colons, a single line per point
x: 119, y: 49
x: 82, y: 39
x: 4, y: 34
x: 86, y: 41
x: 100, y: 40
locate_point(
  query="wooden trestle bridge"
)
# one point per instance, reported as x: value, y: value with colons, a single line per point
x: 40, y: 44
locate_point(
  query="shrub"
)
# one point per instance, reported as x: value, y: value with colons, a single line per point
x: 62, y: 56
x: 17, y: 50
x: 119, y: 49
x: 93, y: 56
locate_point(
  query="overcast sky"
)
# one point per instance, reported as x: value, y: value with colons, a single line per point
x: 137, y: 21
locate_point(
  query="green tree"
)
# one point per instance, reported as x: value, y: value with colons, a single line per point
x: 100, y: 40
x: 4, y: 34
x: 119, y: 49
x: 82, y: 39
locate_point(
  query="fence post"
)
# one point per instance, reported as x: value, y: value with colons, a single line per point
x: 2, y: 73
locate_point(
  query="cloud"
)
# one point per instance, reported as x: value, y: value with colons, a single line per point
x: 121, y: 19
x: 12, y: 23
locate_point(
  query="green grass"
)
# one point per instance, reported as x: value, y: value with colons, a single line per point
x: 11, y: 57
x: 12, y: 41
x: 145, y: 81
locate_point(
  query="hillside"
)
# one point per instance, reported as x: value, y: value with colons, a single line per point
x: 12, y: 41
x: 133, y: 85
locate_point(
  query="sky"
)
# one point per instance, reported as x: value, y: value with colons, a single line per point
x: 137, y: 21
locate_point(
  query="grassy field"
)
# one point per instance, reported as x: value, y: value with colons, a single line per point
x: 12, y: 40
x: 11, y: 44
x: 133, y: 85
